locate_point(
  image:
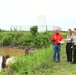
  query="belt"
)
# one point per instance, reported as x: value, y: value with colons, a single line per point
x: 56, y: 44
x: 74, y: 43
x: 69, y: 43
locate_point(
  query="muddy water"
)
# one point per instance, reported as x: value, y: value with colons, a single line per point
x: 11, y: 51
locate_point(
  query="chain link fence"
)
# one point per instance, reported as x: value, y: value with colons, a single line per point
x: 41, y: 28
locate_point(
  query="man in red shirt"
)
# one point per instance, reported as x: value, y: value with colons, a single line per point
x: 56, y: 40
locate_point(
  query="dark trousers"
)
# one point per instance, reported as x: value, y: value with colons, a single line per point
x: 69, y: 52
x: 74, y: 53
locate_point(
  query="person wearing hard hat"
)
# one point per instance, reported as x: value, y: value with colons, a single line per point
x: 56, y: 39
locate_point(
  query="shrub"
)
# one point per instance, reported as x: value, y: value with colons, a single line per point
x: 34, y: 30
x: 27, y: 39
x: 16, y: 37
x: 41, y: 40
x: 6, y: 40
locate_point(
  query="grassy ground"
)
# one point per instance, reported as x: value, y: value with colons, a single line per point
x: 62, y: 68
x: 49, y: 67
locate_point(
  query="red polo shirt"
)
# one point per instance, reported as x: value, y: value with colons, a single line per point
x: 56, y: 38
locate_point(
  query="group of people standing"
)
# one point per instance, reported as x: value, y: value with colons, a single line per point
x: 71, y: 46
x: 57, y: 40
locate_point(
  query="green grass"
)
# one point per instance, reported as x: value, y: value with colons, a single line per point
x: 62, y: 68
x: 41, y: 63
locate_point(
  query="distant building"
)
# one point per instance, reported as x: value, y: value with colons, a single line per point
x: 41, y: 22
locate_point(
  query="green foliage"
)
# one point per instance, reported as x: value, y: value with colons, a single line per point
x: 16, y: 38
x: 1, y: 36
x: 3, y: 73
x: 41, y: 40
x: 34, y: 30
x: 64, y: 35
x: 26, y: 40
x: 31, y: 63
x: 41, y: 63
x: 6, y: 40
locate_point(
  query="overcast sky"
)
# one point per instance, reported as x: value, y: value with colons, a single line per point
x: 25, y: 12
